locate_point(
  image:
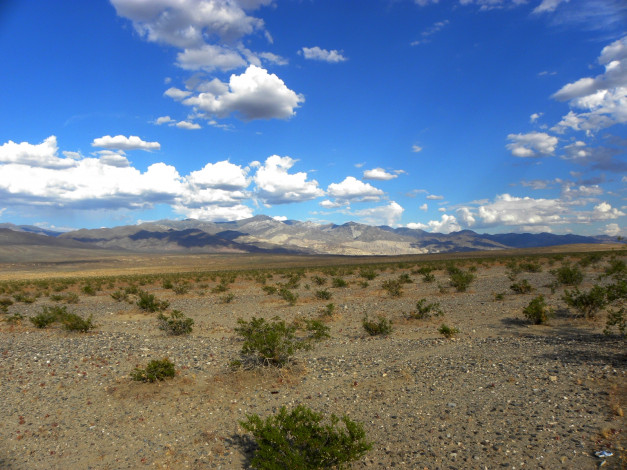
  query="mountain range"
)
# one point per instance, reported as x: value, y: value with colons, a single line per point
x: 263, y: 234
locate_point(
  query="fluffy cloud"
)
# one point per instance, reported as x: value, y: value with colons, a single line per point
x: 214, y: 212
x: 603, y: 99
x: 353, y: 190
x: 605, y: 211
x: 534, y: 117
x: 382, y: 215
x: 613, y: 230
x: 125, y: 143
x: 378, y: 174
x: 276, y: 186
x: 163, y: 120
x: 42, y: 155
x: 255, y: 94
x: 176, y: 93
x: 187, y: 125
x: 221, y: 175
x: 434, y: 197
x: 531, y: 144
x: 447, y: 224
x: 315, y: 53
x: 186, y: 23
x: 599, y: 158
x: 210, y: 57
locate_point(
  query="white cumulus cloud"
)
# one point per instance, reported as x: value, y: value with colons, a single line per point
x: 316, y: 53
x: 275, y: 185
x: 379, y: 174
x: 382, y: 215
x: 125, y: 143
x: 532, y: 144
x: 43, y: 155
x: 255, y: 94
x: 353, y: 190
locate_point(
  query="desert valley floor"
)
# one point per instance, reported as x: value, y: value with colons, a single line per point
x: 501, y: 393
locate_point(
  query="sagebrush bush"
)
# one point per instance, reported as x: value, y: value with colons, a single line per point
x: 271, y: 343
x: 537, y: 311
x: 154, y: 371
x: 521, y: 287
x: 318, y: 280
x: 339, y: 282
x: 289, y: 296
x: 460, y: 279
x: 269, y: 290
x: 323, y: 294
x: 586, y: 303
x: 299, y: 440
x: 328, y: 310
x: 447, y: 331
x: 374, y: 328
x: 5, y: 303
x: 393, y: 287
x: 568, y: 275
x: 150, y: 303
x: 74, y: 322
x: 426, y: 310
x: 618, y: 319
x: 48, y: 315
x: 368, y: 273
x: 176, y: 324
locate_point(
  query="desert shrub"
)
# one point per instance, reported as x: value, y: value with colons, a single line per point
x: 74, y: 322
x: 591, y: 259
x: 24, y: 298
x: 289, y: 296
x: 5, y: 303
x: 222, y: 287
x: 119, y: 295
x: 167, y: 284
x: 428, y: 277
x: 460, y: 280
x: 393, y: 287
x: 537, y: 311
x: 363, y: 284
x: 405, y: 279
x: 68, y: 298
x: 531, y: 266
x: 568, y: 275
x: 499, y: 296
x: 447, y: 331
x: 299, y: 440
x: 323, y: 294
x: 426, y: 310
x: 180, y: 289
x: 328, y: 310
x: 154, y: 371
x: 586, y: 303
x: 616, y: 269
x: 150, y: 303
x: 48, y: 315
x: 368, y: 273
x: 318, y: 280
x: 269, y: 290
x: 176, y: 324
x: 267, y: 343
x: 616, y: 291
x: 521, y: 287
x: 14, y: 319
x: 131, y: 290
x: 317, y: 330
x: 375, y: 328
x: 88, y: 289
x: 228, y: 298
x: 339, y: 282
x: 618, y: 319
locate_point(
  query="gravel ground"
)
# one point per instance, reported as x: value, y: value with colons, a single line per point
x: 501, y: 394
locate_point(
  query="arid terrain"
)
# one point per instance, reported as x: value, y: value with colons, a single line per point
x: 501, y: 393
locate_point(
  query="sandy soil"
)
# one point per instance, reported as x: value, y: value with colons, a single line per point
x: 502, y: 394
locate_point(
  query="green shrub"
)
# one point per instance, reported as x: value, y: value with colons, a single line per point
x: 150, y: 303
x: 120, y: 296
x: 374, y: 328
x: 393, y: 287
x: 616, y: 291
x: 616, y: 269
x: 428, y: 277
x: 426, y: 310
x: 618, y: 319
x: 267, y: 343
x: 180, y: 289
x: 48, y: 315
x: 228, y: 298
x: 591, y: 259
x: 568, y: 275
x: 88, y: 289
x: 24, y: 298
x: 317, y: 330
x: 460, y: 280
x: 328, y: 310
x: 405, y: 279
x: 289, y: 296
x: 14, y: 319
x: 318, y: 280
x: 447, y: 331
x: 5, y: 303
x: 369, y: 273
x: 176, y: 324
x: 269, y: 290
x: 537, y: 311
x: 299, y: 440
x: 222, y: 287
x: 155, y: 370
x: 323, y: 294
x: 167, y: 284
x: 74, y: 322
x: 499, y: 296
x: 339, y: 282
x: 521, y: 287
x: 531, y: 266
x: 586, y: 303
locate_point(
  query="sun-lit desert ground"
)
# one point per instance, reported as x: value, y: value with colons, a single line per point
x: 501, y: 393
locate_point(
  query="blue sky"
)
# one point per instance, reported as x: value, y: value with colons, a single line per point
x: 489, y: 115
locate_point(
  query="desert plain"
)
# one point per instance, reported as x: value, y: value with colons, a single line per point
x: 501, y: 393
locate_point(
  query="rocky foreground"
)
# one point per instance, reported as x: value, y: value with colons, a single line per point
x: 502, y: 394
